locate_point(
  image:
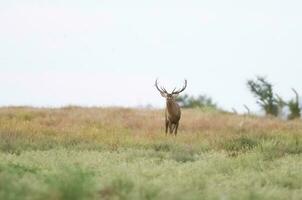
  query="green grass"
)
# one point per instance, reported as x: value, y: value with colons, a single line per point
x: 80, y: 153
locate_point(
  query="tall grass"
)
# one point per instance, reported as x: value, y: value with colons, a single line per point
x: 118, y: 153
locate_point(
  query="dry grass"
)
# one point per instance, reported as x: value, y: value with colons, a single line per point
x: 119, y: 153
x: 100, y: 125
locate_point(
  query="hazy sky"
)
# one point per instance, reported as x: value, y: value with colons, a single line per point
x: 99, y: 52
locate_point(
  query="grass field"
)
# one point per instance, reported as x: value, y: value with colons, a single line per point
x: 113, y: 153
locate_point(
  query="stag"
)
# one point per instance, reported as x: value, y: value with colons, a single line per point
x: 172, y: 113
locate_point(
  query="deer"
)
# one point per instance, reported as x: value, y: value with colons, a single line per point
x: 172, y: 111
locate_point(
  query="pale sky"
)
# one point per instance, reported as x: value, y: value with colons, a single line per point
x: 109, y: 53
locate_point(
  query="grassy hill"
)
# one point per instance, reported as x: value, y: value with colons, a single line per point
x: 115, y: 153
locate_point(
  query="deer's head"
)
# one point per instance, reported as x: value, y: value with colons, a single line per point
x: 170, y: 96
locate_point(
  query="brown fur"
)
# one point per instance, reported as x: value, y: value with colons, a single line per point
x: 173, y: 115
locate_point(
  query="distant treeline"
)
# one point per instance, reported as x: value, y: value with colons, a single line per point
x: 270, y: 102
x: 201, y: 101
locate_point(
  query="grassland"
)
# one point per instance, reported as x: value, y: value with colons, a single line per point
x: 113, y: 153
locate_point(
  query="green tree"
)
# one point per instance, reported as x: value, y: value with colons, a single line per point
x: 263, y: 91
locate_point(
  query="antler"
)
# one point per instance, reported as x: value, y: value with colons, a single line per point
x: 182, y: 89
x: 162, y: 90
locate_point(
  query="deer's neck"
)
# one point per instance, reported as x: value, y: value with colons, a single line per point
x: 172, y: 107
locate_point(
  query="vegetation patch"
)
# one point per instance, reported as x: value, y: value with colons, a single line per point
x: 241, y: 144
x: 119, y: 188
x: 279, y: 147
x: 71, y: 184
x: 97, y: 153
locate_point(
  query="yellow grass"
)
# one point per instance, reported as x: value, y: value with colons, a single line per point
x: 99, y: 124
x: 120, y: 153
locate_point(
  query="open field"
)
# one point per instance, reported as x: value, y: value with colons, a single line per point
x: 114, y: 153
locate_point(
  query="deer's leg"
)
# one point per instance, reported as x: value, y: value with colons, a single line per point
x: 167, y: 125
x: 176, y: 128
x: 170, y: 127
